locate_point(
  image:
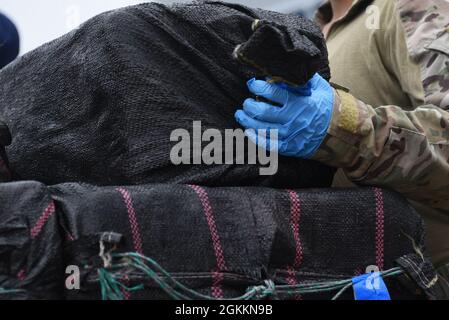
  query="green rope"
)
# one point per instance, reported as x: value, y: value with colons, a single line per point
x: 113, y: 289
x: 11, y: 291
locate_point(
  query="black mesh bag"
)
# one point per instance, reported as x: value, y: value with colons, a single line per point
x: 31, y: 263
x: 222, y: 241
x: 98, y: 105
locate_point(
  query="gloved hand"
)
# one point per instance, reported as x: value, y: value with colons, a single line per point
x: 302, y: 119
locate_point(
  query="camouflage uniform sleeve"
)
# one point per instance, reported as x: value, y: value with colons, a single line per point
x: 407, y: 151
x: 426, y: 25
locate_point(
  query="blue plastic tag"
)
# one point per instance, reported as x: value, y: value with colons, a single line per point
x: 370, y: 286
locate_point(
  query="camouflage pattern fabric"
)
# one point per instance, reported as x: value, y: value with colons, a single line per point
x: 407, y: 151
x: 426, y: 24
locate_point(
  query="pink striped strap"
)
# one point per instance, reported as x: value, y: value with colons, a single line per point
x: 133, y: 222
x: 217, y: 291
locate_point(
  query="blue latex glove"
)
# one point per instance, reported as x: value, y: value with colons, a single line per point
x: 302, y: 120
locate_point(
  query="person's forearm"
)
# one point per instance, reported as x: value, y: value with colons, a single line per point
x: 407, y: 151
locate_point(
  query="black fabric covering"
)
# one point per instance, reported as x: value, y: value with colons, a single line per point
x: 424, y: 274
x: 5, y: 140
x: 335, y: 238
x: 30, y: 242
x: 215, y: 240
x: 98, y: 104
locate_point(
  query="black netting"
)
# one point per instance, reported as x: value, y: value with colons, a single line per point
x: 98, y: 106
x: 218, y: 241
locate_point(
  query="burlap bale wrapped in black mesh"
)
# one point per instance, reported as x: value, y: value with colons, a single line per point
x: 220, y: 241
x: 98, y: 104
